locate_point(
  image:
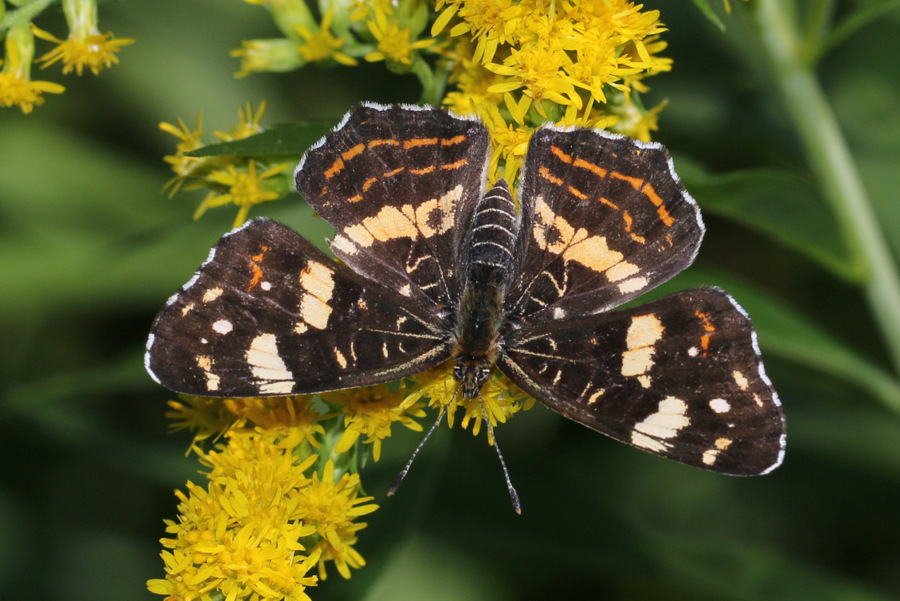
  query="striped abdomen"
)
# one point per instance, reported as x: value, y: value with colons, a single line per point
x: 494, y: 230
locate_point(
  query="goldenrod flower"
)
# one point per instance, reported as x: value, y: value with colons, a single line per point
x: 231, y: 180
x: 204, y: 416
x: 16, y: 86
x: 293, y: 419
x: 239, y: 537
x: 370, y: 412
x: 185, y: 166
x: 93, y: 50
x: 331, y: 508
x: 360, y: 9
x: 394, y: 42
x: 520, y: 63
x: 510, y: 142
x: 500, y: 398
x: 490, y: 22
x: 634, y: 121
x: 243, y: 188
x: 322, y: 45
x: 248, y: 124
x: 85, y: 46
x: 267, y: 55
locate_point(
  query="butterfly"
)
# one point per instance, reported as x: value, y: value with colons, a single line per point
x: 436, y: 266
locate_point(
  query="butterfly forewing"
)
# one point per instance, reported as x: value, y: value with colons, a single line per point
x: 269, y: 314
x: 399, y: 185
x: 604, y: 219
x: 680, y: 377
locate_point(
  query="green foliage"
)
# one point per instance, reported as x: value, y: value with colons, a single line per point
x: 278, y: 141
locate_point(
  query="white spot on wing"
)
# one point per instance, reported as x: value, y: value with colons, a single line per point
x: 669, y: 419
x: 223, y: 326
x: 720, y: 405
x: 342, y: 361
x: 643, y: 333
x: 633, y: 285
x: 206, y: 364
x: 621, y: 270
x: 212, y: 294
x: 596, y: 396
x: 267, y: 365
x: 645, y: 442
x: 318, y: 282
x: 710, y: 455
x: 740, y: 380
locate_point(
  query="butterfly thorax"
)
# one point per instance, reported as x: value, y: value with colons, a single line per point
x: 480, y: 317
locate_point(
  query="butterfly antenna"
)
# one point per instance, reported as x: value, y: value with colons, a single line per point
x: 399, y: 479
x: 513, y: 495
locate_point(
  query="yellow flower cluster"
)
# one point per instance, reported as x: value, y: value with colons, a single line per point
x: 282, y: 497
x: 239, y: 537
x: 85, y: 47
x: 519, y: 64
x: 514, y: 63
x: 237, y: 180
x: 370, y: 413
x: 372, y: 30
x: 500, y: 399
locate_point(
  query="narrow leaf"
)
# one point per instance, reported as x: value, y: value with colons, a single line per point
x: 280, y: 140
x: 778, y: 204
x: 708, y: 12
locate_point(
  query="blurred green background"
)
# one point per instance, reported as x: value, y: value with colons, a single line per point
x: 90, y: 249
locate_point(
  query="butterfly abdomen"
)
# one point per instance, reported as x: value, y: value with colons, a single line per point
x: 494, y: 229
x: 493, y: 237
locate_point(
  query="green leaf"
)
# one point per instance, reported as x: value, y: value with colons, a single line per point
x: 778, y: 204
x: 865, y: 13
x: 280, y: 140
x: 708, y: 12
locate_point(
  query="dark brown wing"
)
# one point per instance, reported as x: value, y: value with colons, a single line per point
x: 399, y: 185
x: 268, y: 314
x: 680, y: 377
x: 604, y: 219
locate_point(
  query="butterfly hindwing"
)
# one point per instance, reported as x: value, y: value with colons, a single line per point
x: 680, y: 377
x: 399, y: 185
x: 269, y: 314
x: 604, y: 219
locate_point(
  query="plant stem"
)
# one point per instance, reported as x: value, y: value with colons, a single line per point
x: 832, y: 163
x: 22, y: 14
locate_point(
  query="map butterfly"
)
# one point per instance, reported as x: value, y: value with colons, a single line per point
x: 435, y: 268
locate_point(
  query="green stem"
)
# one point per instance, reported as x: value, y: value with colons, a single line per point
x: 23, y: 14
x: 832, y: 163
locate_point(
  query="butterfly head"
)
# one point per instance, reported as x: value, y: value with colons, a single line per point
x: 472, y: 375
